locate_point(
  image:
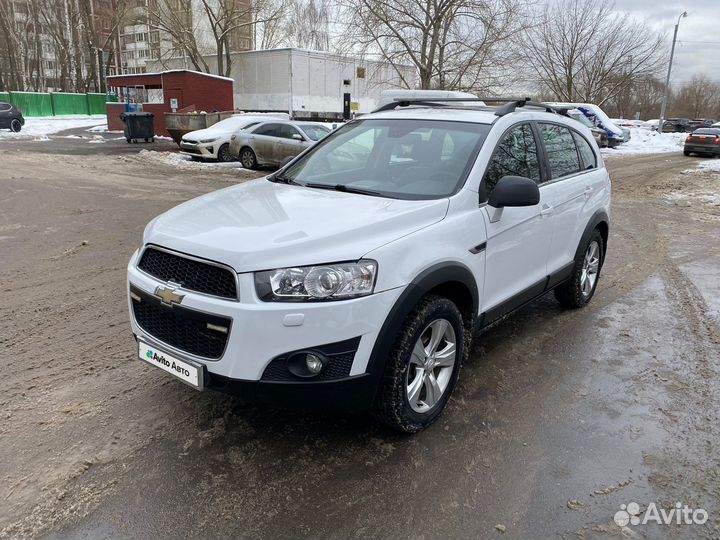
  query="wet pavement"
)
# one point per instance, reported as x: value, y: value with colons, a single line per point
x: 560, y: 416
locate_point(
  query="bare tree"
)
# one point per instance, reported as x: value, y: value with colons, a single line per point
x: 270, y: 30
x: 308, y: 24
x: 453, y: 44
x: 181, y: 21
x: 583, y: 50
x: 698, y: 98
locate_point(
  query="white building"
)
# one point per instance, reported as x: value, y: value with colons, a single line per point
x: 307, y: 84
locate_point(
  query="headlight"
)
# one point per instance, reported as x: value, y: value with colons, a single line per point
x: 205, y: 141
x: 311, y: 283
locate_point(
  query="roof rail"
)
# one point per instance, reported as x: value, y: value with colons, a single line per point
x: 511, y: 103
x: 525, y: 102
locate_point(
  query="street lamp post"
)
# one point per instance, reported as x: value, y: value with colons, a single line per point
x: 667, y: 79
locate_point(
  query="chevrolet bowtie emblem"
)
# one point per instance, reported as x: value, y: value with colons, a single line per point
x: 169, y: 296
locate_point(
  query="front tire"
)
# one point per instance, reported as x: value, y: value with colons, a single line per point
x: 223, y: 154
x: 580, y: 288
x: 15, y: 125
x: 248, y: 159
x: 423, y: 366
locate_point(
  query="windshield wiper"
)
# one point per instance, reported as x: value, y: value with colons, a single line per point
x: 346, y: 189
x: 280, y: 179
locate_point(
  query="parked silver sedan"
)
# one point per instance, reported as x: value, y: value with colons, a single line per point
x: 272, y: 142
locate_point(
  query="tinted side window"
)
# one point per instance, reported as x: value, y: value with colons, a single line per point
x: 589, y: 161
x: 287, y: 131
x: 273, y: 130
x: 560, y: 148
x: 5, y: 106
x: 515, y: 155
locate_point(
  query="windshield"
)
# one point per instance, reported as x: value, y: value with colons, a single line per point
x: 314, y: 133
x: 406, y: 159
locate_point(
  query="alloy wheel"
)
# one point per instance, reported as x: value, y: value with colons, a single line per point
x: 431, y: 365
x: 590, y: 269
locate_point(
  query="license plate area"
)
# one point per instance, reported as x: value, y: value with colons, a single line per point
x: 188, y: 372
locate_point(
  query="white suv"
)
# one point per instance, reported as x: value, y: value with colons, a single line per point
x: 356, y: 276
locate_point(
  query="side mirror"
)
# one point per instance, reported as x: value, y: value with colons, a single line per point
x: 514, y: 191
x: 298, y: 137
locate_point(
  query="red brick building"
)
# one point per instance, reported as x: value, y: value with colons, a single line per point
x: 162, y: 92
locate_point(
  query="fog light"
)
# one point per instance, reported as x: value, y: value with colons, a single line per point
x: 313, y: 363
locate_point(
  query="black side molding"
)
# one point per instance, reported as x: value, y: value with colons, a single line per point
x: 478, y: 249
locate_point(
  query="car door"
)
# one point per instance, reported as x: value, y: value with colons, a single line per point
x: 287, y: 145
x: 568, y: 189
x: 518, y: 239
x: 263, y: 141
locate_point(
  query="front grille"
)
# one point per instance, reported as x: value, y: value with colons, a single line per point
x: 182, y: 328
x: 189, y: 273
x: 340, y: 359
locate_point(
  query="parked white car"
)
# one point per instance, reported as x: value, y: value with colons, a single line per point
x: 213, y: 143
x: 273, y: 142
x: 356, y: 276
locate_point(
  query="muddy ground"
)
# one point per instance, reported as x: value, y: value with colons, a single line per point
x: 560, y: 417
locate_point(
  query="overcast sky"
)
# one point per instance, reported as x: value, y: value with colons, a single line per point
x: 701, y: 24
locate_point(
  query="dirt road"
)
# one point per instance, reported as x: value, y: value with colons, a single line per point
x: 559, y: 419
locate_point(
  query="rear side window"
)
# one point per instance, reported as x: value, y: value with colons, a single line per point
x: 589, y: 161
x: 515, y: 155
x: 560, y: 148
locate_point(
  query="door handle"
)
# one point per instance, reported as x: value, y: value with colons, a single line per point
x: 588, y: 191
x: 546, y: 209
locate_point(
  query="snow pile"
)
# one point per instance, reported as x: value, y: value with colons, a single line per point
x: 710, y: 165
x: 38, y: 128
x: 182, y: 161
x: 646, y: 141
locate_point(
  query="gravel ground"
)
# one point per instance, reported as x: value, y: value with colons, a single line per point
x: 560, y: 417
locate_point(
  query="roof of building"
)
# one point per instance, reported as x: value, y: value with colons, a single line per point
x: 160, y: 73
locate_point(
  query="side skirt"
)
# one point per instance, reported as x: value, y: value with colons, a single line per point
x: 525, y: 297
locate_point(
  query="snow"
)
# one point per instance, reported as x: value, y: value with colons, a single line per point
x: 710, y: 165
x: 38, y: 128
x: 182, y: 161
x: 646, y: 141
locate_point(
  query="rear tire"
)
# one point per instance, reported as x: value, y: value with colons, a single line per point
x: 423, y: 366
x: 580, y: 288
x: 248, y: 159
x: 223, y: 154
x: 15, y: 125
x: 686, y: 152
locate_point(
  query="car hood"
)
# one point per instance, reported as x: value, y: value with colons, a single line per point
x: 208, y: 133
x: 261, y: 225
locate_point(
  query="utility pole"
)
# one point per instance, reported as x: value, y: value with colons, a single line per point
x: 667, y: 79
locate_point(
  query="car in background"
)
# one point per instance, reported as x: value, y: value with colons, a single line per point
x: 213, y: 143
x: 11, y: 117
x: 616, y: 134
x: 716, y: 125
x: 698, y: 123
x: 599, y: 135
x: 676, y: 125
x: 703, y: 141
x: 271, y: 143
x: 652, y: 124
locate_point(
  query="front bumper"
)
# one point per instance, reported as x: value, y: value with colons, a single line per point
x: 199, y: 150
x: 262, y: 332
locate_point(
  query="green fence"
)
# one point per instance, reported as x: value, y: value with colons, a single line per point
x: 57, y: 103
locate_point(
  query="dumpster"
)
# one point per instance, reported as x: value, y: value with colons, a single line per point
x: 138, y: 126
x: 178, y: 124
